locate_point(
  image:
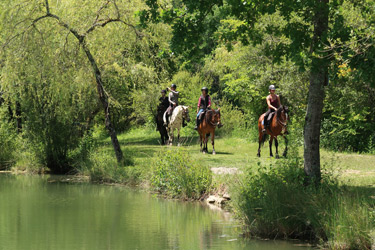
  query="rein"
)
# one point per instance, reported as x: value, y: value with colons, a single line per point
x: 210, y: 122
x: 283, y: 125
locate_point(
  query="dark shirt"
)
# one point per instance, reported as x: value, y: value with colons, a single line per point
x: 204, y: 102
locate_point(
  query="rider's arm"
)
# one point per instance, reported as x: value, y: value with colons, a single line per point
x: 278, y: 98
x: 174, y: 92
x: 199, y: 103
x: 209, y: 102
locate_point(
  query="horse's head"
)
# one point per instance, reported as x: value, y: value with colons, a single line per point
x: 282, y: 115
x: 185, y: 113
x: 215, y: 118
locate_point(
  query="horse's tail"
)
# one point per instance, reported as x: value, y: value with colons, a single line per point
x: 264, y: 138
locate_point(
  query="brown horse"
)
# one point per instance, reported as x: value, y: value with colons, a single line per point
x: 207, y: 127
x: 278, y: 126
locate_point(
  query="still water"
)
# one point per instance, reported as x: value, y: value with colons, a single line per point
x: 39, y: 213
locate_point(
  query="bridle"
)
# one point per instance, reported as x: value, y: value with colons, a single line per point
x: 283, y: 125
x: 185, y: 114
x: 210, y: 122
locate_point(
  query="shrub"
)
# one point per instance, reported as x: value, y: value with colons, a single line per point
x: 275, y: 203
x: 176, y: 174
x: 102, y: 167
x: 8, y: 141
x: 233, y: 119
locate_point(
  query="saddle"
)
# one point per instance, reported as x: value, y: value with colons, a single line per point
x: 201, y: 116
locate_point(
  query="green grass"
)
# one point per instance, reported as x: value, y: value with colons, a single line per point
x: 142, y: 145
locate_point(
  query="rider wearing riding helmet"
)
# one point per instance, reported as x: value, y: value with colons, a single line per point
x: 173, y: 102
x: 273, y: 102
x: 204, y: 103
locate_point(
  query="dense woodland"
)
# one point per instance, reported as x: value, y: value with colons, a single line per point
x: 70, y: 68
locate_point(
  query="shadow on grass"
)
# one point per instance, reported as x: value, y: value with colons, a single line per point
x: 365, y: 192
x: 223, y: 153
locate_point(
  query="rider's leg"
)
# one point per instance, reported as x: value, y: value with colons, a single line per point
x: 165, y: 118
x: 265, y: 120
x: 167, y: 114
x: 197, y: 119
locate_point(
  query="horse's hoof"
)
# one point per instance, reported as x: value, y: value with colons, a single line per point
x: 271, y: 156
x: 204, y: 152
x: 179, y: 144
x: 277, y: 157
x: 213, y: 153
x: 258, y: 155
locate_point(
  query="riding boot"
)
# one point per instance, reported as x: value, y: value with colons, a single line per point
x: 166, y: 121
x: 264, y: 125
x: 197, y: 124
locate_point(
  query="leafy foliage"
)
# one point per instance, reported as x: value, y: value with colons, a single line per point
x: 275, y: 203
x: 176, y: 174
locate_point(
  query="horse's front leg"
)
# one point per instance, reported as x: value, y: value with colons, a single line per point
x: 178, y: 137
x: 171, y: 136
x: 201, y: 139
x: 277, y: 148
x: 271, y: 139
x: 286, y: 146
x: 213, y: 143
x: 204, y: 143
x: 260, y: 141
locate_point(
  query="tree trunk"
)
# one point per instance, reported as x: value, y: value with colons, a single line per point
x: 318, y: 79
x: 104, y: 100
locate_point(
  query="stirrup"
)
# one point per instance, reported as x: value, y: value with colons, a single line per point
x: 264, y: 130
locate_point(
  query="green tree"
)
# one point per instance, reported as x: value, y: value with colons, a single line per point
x: 310, y: 25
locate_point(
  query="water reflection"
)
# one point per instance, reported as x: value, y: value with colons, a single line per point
x: 37, y: 213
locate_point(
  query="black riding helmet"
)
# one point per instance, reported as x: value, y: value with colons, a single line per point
x: 173, y: 86
x: 163, y: 91
x: 206, y: 89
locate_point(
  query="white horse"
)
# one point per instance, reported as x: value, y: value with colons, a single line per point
x: 175, y: 121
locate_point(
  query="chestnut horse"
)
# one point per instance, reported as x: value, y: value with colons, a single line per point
x: 277, y: 127
x: 207, y: 127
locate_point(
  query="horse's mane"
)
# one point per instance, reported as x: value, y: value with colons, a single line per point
x: 279, y: 110
x: 210, y: 113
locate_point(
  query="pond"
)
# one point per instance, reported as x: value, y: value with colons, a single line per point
x: 37, y: 212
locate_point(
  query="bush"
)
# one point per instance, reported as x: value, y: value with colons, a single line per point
x: 8, y: 141
x: 176, y: 174
x: 233, y: 119
x: 103, y: 168
x: 275, y: 203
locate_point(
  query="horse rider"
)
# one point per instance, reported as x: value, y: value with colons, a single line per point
x: 204, y: 103
x: 273, y: 102
x: 163, y: 100
x: 173, y: 102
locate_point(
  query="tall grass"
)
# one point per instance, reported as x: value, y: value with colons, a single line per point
x: 176, y: 174
x: 275, y: 203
